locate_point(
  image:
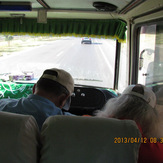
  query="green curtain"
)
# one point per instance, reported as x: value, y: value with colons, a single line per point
x: 73, y: 27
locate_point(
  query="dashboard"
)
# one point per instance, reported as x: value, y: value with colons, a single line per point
x: 86, y: 100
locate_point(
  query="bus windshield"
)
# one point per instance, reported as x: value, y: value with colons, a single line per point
x: 91, y: 61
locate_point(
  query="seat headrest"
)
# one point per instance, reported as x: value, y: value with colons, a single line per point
x: 88, y: 139
x: 19, y: 138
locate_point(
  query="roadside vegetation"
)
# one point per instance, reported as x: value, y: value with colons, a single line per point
x: 10, y: 44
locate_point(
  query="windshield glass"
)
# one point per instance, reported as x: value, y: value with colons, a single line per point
x: 89, y: 60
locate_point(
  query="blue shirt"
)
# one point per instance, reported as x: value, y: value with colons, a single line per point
x: 37, y: 106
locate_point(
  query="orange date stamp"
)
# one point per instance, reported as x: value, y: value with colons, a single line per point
x: 125, y: 140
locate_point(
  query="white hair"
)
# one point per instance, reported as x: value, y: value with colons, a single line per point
x: 131, y: 107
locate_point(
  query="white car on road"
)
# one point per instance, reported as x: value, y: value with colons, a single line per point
x: 86, y: 40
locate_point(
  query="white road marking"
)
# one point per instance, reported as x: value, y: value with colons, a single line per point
x: 106, y: 60
x: 59, y: 53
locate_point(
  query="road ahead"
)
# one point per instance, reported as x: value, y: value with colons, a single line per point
x: 92, y: 64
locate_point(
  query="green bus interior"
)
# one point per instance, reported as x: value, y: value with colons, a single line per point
x: 123, y: 45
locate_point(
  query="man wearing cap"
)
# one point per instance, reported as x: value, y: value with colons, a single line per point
x: 50, y: 94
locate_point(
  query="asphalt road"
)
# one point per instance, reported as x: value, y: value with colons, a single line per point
x: 89, y: 64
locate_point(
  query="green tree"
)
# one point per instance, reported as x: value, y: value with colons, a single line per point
x: 8, y: 38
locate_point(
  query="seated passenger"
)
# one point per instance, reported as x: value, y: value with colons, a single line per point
x: 137, y: 103
x: 50, y: 94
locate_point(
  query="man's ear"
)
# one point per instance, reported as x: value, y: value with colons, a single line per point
x: 62, y: 100
x: 34, y: 88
